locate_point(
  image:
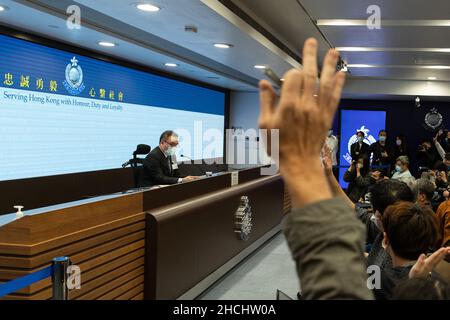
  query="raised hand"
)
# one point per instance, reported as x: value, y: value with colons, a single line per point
x: 326, y: 158
x: 425, y: 265
x: 303, y: 118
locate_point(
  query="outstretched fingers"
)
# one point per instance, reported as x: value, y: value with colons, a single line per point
x: 267, y: 103
x: 436, y: 258
x: 291, y: 90
x: 310, y: 67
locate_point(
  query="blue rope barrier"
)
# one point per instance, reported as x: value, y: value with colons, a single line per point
x: 25, y: 281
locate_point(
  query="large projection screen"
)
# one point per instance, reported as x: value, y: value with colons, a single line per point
x: 62, y: 112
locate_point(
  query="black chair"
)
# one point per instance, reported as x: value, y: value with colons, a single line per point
x: 136, y: 163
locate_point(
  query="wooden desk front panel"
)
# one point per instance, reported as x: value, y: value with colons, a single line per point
x: 105, y: 239
x: 190, y: 241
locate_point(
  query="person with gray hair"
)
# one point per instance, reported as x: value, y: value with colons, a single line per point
x: 424, y: 190
x: 402, y: 172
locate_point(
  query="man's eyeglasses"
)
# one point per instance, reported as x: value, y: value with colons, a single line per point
x: 172, y: 144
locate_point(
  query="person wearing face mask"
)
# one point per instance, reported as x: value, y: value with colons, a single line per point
x: 359, y: 148
x: 333, y: 144
x: 358, y: 178
x: 400, y: 148
x: 402, y: 172
x: 381, y: 151
x: 160, y: 166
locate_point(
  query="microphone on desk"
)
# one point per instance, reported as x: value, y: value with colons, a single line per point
x: 200, y: 167
x: 183, y: 156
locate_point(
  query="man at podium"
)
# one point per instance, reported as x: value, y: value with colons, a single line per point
x: 160, y: 166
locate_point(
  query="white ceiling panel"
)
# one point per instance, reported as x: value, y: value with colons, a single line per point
x: 170, y: 23
x: 390, y: 9
x: 395, y: 37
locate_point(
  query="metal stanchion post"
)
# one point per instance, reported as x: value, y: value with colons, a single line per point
x: 59, y: 278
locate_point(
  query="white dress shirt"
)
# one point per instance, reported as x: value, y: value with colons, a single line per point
x: 332, y: 144
x: 405, y: 177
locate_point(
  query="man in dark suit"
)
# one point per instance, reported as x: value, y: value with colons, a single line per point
x: 359, y: 148
x: 382, y: 153
x: 160, y: 168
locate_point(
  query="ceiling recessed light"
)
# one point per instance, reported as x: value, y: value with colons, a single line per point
x: 147, y: 7
x: 171, y: 65
x: 223, y: 45
x: 361, y: 66
x: 3, y: 8
x: 392, y: 66
x: 386, y: 23
x: 432, y: 78
x: 260, y: 66
x: 106, y: 44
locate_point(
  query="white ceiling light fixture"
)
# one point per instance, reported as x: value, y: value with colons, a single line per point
x: 432, y: 78
x: 260, y: 66
x: 392, y: 66
x: 3, y: 8
x: 363, y: 66
x: 106, y: 44
x: 341, y: 22
x: 147, y: 7
x: 171, y: 65
x: 386, y: 23
x: 223, y: 45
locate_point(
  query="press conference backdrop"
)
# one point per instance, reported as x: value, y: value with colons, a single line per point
x: 62, y: 112
x: 352, y: 121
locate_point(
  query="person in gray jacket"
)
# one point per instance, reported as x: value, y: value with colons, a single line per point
x: 325, y: 236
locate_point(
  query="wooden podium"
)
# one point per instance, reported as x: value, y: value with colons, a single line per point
x: 166, y: 243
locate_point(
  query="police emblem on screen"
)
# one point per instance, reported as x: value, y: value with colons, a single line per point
x: 243, y: 219
x: 433, y: 119
x: 368, y: 138
x: 74, y: 78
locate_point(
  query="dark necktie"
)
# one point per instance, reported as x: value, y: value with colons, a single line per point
x: 170, y: 165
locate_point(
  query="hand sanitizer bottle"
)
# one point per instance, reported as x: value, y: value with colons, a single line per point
x: 19, y: 213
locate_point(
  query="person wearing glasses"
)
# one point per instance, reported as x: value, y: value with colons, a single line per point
x: 160, y: 166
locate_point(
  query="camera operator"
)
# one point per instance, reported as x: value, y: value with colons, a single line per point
x: 427, y: 154
x: 358, y: 177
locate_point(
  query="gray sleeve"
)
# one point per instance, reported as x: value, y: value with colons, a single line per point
x: 440, y: 150
x: 326, y: 240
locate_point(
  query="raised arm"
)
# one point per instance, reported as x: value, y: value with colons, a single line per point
x: 325, y: 237
x: 332, y: 181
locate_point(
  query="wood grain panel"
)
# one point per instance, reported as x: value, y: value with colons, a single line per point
x: 107, y: 240
x: 126, y: 289
x: 131, y: 293
x: 113, y: 283
x: 140, y: 296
